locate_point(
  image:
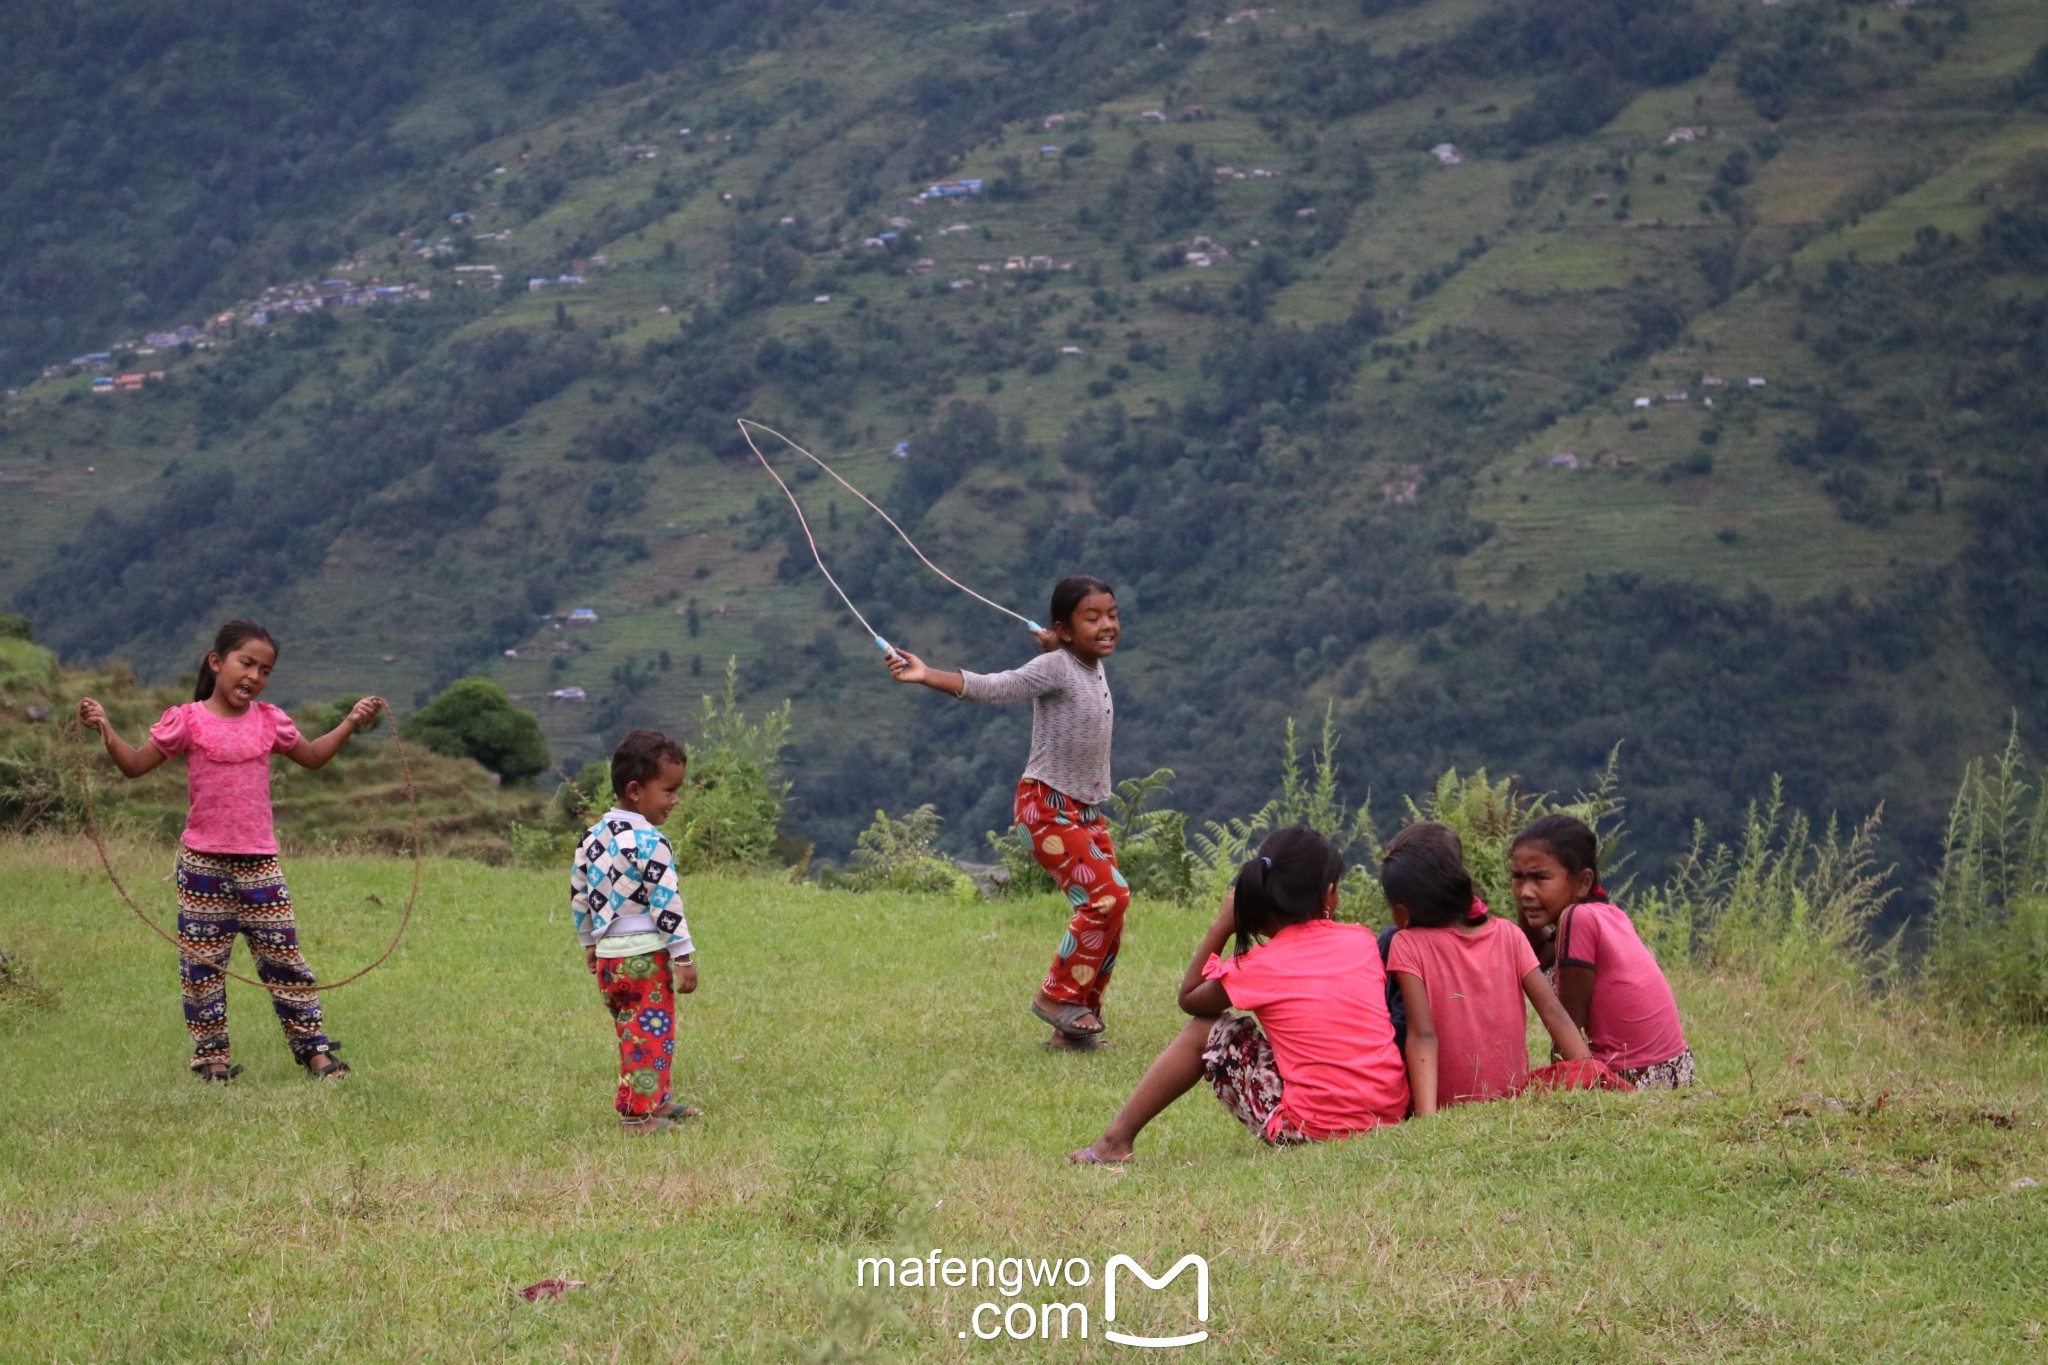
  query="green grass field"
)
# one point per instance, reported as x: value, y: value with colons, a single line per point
x: 1844, y: 1183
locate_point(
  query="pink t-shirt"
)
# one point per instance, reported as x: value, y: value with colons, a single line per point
x: 227, y: 761
x: 1633, y: 1019
x: 1320, y: 994
x: 1474, y: 982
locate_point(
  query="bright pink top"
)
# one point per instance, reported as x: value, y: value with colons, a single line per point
x: 1320, y: 994
x: 1474, y: 980
x: 227, y: 760
x: 1633, y: 1020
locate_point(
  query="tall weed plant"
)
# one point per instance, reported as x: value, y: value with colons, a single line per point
x: 1988, y: 943
x: 1783, y: 904
x: 731, y: 808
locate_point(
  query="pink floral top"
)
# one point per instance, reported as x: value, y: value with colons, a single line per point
x: 227, y: 759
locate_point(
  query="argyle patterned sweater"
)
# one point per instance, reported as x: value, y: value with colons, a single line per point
x: 624, y: 882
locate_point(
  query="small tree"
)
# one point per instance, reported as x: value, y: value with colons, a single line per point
x: 732, y: 806
x: 475, y: 718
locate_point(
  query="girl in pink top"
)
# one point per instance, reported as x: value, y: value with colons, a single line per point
x: 1316, y: 1057
x: 1463, y: 976
x: 1608, y: 980
x: 229, y: 880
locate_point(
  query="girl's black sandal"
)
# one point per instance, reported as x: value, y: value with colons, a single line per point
x: 216, y: 1073
x: 335, y: 1068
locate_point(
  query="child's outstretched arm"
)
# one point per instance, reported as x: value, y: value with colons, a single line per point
x: 908, y: 668
x: 1567, y: 1043
x: 132, y: 762
x: 1207, y: 999
x: 1421, y: 1046
x: 314, y: 753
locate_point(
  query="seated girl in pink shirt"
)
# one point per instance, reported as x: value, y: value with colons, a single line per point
x: 1463, y: 976
x: 1609, y: 982
x: 229, y: 880
x: 1316, y: 1057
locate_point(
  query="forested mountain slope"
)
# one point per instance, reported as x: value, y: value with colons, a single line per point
x: 1324, y: 331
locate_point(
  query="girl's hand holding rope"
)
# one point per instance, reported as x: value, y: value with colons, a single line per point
x: 363, y: 715
x: 906, y: 667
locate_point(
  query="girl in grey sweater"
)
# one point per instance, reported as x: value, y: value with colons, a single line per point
x: 1066, y: 780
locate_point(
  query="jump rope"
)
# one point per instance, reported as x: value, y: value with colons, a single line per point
x: 92, y: 829
x: 747, y: 429
x: 816, y: 554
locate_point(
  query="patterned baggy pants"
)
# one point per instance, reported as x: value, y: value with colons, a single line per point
x: 219, y: 896
x: 640, y: 992
x: 1071, y: 841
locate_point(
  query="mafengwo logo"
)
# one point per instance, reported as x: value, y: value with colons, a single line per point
x: 1056, y: 1314
x: 1120, y: 1261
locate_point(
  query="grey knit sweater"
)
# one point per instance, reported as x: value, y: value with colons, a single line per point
x: 1071, y: 716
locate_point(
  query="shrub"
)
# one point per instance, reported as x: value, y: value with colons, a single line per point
x: 474, y: 718
x: 903, y: 855
x: 1988, y: 948
x: 732, y: 805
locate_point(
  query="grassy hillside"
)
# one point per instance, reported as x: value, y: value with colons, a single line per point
x: 1293, y: 383
x: 1833, y: 1157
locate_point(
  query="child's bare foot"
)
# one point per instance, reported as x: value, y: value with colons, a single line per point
x: 676, y: 1109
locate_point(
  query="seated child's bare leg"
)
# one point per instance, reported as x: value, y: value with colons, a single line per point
x: 1174, y: 1072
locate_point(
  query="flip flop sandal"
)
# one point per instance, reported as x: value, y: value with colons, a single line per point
x: 1063, y: 1017
x: 677, y: 1112
x: 1086, y: 1157
x: 654, y: 1124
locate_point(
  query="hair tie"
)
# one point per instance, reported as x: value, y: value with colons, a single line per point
x: 1267, y: 861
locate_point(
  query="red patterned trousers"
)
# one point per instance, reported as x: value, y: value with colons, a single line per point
x: 640, y: 992
x: 1071, y: 841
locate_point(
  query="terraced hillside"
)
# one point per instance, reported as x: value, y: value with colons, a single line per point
x: 1323, y: 330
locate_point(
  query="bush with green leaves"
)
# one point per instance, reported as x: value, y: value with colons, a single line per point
x: 475, y: 718
x: 1988, y: 949
x: 903, y: 855
x: 731, y: 807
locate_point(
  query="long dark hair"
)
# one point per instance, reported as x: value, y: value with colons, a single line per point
x: 1285, y: 884
x: 1570, y: 841
x: 1069, y: 592
x: 239, y: 631
x: 1423, y: 878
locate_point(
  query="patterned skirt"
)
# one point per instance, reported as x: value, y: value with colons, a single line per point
x: 1239, y: 1064
x: 1669, y: 1075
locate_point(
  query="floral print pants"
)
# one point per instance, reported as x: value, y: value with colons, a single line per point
x: 640, y: 992
x: 1071, y: 841
x: 221, y: 895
